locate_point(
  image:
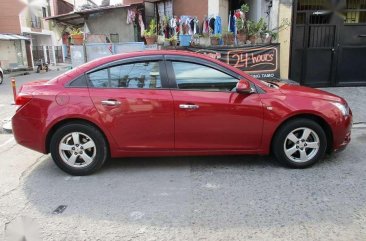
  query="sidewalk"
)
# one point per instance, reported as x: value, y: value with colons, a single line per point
x: 356, y: 98
x: 58, y: 67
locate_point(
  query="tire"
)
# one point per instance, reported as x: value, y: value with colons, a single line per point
x: 1, y: 78
x: 299, y: 143
x: 71, y: 156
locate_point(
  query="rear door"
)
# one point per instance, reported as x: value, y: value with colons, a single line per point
x: 209, y: 114
x: 134, y: 103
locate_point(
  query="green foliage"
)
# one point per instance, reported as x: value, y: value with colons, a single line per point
x: 218, y: 35
x: 245, y: 8
x: 274, y: 32
x: 240, y: 25
x: 76, y: 31
x: 151, y: 31
x: 255, y: 27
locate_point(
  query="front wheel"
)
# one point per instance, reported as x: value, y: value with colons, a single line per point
x: 300, y: 143
x: 78, y: 149
x: 1, y: 78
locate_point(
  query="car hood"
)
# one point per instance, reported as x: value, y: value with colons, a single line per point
x: 297, y: 90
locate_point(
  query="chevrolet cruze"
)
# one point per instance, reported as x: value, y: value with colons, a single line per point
x: 173, y: 103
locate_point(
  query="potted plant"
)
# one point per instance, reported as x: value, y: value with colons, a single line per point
x: 195, y: 40
x: 150, y: 33
x: 254, y: 28
x: 228, y: 38
x: 241, y: 26
x: 215, y: 39
x: 242, y: 35
x: 173, y: 40
x: 269, y: 35
x: 77, y: 36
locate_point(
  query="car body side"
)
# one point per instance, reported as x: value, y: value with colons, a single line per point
x: 53, y: 105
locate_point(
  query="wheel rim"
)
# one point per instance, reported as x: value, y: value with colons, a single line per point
x: 77, y: 149
x: 301, y: 144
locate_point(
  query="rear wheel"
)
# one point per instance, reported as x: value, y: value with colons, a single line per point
x: 78, y: 149
x: 300, y: 143
x: 1, y: 78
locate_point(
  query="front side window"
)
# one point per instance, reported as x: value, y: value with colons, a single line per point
x: 144, y: 75
x: 190, y: 76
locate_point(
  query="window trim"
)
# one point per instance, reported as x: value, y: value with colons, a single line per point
x: 161, y: 71
x: 193, y: 60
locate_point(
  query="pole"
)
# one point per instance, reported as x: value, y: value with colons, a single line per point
x: 14, y: 87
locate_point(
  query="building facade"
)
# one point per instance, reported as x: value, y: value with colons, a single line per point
x: 28, y: 20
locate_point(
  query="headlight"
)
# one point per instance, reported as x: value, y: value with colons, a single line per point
x: 343, y: 108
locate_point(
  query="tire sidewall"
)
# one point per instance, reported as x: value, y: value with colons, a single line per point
x: 94, y: 134
x: 281, y: 135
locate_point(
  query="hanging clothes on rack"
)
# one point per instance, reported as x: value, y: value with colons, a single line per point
x: 142, y: 25
x: 205, y: 26
x: 218, y: 27
x: 212, y: 25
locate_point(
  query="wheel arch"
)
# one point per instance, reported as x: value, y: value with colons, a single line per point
x: 63, y: 122
x: 318, y: 119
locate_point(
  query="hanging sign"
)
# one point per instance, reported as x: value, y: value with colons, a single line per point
x: 261, y: 62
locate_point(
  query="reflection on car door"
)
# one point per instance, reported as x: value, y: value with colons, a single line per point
x: 134, y: 105
x: 209, y: 114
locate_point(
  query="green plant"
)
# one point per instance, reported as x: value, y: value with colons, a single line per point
x: 218, y: 35
x: 255, y: 27
x: 240, y: 25
x: 227, y: 33
x: 275, y: 31
x: 172, y: 38
x: 245, y: 8
x: 151, y: 30
x: 76, y: 31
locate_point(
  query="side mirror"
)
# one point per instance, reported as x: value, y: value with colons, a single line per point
x: 243, y: 87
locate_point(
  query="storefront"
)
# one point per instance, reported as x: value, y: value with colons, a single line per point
x: 230, y: 31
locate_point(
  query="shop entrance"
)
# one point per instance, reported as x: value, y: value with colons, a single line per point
x: 328, y: 46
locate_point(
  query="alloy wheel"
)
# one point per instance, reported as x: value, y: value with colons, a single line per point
x: 301, y: 145
x: 77, y: 149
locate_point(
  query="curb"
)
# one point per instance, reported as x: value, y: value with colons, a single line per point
x: 7, y: 127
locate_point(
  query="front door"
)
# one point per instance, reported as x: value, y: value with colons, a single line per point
x: 209, y: 114
x: 328, y: 42
x: 134, y: 105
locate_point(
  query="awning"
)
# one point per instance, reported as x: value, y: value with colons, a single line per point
x: 12, y: 37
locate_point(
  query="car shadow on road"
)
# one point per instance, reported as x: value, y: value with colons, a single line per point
x: 212, y: 192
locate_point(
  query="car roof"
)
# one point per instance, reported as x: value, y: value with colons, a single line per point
x: 108, y: 59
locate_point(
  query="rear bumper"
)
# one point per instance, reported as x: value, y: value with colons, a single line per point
x: 28, y: 132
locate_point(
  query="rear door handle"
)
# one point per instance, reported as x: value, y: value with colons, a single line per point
x: 188, y: 106
x: 110, y: 102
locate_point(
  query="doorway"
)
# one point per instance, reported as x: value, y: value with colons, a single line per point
x: 328, y: 43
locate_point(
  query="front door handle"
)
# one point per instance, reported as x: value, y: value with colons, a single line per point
x: 188, y: 106
x: 110, y: 102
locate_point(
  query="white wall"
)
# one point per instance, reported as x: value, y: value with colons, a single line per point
x: 9, y: 53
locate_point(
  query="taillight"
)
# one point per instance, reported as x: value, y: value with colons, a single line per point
x: 22, y: 99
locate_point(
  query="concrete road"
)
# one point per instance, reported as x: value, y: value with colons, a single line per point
x: 184, y: 198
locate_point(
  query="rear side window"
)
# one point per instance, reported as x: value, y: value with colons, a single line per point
x: 79, y: 82
x: 144, y: 75
x: 191, y: 76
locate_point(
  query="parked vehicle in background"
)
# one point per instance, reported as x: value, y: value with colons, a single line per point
x: 169, y: 103
x: 1, y: 75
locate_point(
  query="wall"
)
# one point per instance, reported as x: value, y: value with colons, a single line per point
x: 9, y: 53
x: 196, y: 8
x: 9, y: 16
x: 112, y: 21
x: 285, y: 11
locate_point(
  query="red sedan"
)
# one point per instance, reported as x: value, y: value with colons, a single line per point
x: 170, y: 103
